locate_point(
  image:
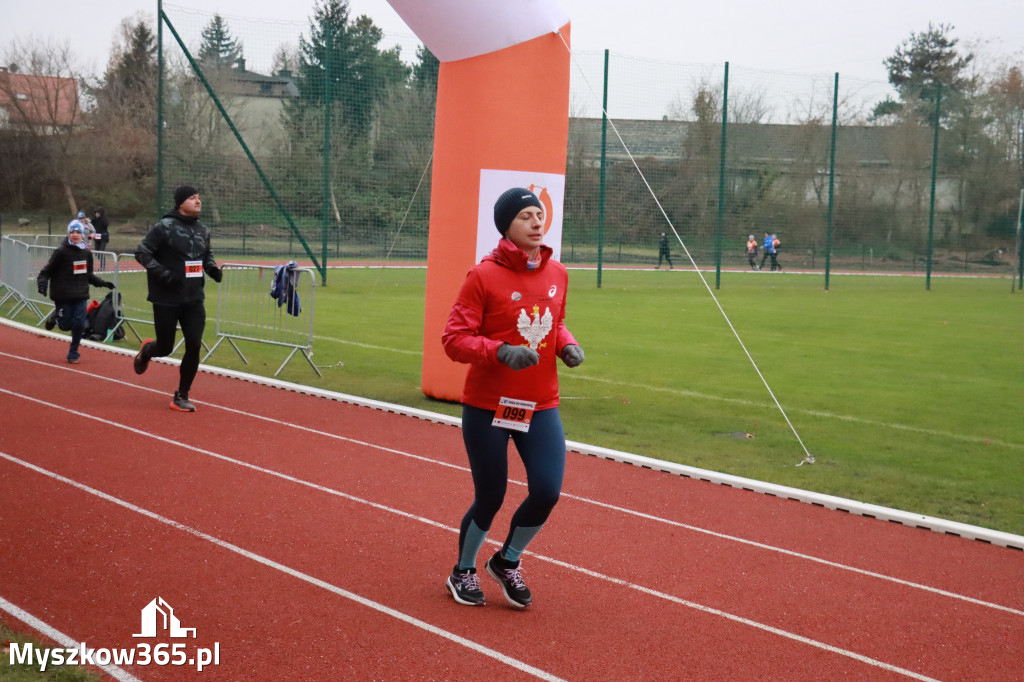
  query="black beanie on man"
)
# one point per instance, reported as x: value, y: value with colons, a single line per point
x: 182, y: 193
x: 510, y: 203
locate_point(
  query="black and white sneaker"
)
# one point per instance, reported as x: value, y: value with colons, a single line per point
x: 141, y: 360
x: 465, y: 587
x: 511, y: 580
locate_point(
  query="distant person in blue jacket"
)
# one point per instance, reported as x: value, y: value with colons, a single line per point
x: 767, y: 250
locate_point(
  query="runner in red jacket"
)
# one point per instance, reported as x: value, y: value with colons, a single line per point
x: 507, y: 323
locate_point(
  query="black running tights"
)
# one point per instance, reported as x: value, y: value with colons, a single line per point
x: 192, y: 318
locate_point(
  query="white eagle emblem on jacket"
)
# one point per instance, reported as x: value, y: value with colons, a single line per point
x: 534, y: 330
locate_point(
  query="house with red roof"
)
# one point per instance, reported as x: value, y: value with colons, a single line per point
x: 44, y: 103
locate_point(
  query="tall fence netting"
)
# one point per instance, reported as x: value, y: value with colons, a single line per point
x: 295, y: 158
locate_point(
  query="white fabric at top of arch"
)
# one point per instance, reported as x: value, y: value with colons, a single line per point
x: 459, y: 29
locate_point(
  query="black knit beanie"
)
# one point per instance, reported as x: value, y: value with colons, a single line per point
x: 182, y: 193
x: 510, y: 203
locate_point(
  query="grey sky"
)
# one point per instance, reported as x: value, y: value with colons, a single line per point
x: 790, y: 36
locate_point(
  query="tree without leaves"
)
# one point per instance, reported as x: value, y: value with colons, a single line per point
x: 43, y: 120
x: 1006, y: 100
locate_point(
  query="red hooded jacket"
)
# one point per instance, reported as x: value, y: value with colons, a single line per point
x: 503, y: 301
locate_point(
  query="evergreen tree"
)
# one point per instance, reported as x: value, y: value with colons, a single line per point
x: 360, y: 72
x: 219, y: 49
x: 425, y: 70
x: 917, y: 68
x: 127, y: 92
x: 122, y: 154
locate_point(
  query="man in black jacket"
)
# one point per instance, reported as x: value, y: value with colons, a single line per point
x: 68, y: 275
x: 176, y: 253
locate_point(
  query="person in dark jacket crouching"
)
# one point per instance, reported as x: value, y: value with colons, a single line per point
x: 68, y: 275
x: 176, y: 253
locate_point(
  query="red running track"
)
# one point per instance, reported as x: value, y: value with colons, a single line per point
x: 309, y: 539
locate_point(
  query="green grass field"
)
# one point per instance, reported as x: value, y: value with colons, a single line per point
x: 907, y: 398
x: 21, y: 672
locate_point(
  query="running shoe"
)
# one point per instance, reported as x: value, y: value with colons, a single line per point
x: 51, y: 321
x: 465, y: 587
x: 511, y: 580
x: 141, y: 361
x: 181, y: 403
x: 74, y: 359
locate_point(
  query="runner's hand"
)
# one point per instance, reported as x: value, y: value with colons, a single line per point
x: 518, y: 357
x: 572, y: 355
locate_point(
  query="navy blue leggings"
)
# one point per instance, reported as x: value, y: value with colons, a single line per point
x: 542, y: 450
x: 71, y: 317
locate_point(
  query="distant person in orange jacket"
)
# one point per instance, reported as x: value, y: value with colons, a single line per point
x: 752, y: 252
x: 507, y: 323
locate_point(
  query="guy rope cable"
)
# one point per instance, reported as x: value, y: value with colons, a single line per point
x: 808, y: 457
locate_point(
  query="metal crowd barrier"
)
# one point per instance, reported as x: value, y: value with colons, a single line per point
x: 21, y: 259
x: 134, y: 308
x: 20, y: 262
x: 246, y: 311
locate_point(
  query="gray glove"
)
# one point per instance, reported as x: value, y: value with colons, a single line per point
x: 572, y: 355
x: 518, y: 357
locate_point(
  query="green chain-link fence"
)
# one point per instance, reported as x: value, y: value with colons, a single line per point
x: 309, y: 141
x: 314, y: 141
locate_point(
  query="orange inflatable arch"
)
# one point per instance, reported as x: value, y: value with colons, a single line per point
x: 502, y: 121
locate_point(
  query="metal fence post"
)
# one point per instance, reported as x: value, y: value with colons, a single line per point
x: 604, y: 148
x: 831, y: 180
x: 931, y: 207
x: 720, y: 222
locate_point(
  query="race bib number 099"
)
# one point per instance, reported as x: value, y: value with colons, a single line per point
x: 514, y: 414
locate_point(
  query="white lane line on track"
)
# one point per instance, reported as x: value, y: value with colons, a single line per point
x: 270, y: 563
x: 585, y: 500
x: 431, y: 628
x: 437, y: 524
x: 59, y: 637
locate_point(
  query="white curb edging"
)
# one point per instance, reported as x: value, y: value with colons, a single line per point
x: 931, y: 523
